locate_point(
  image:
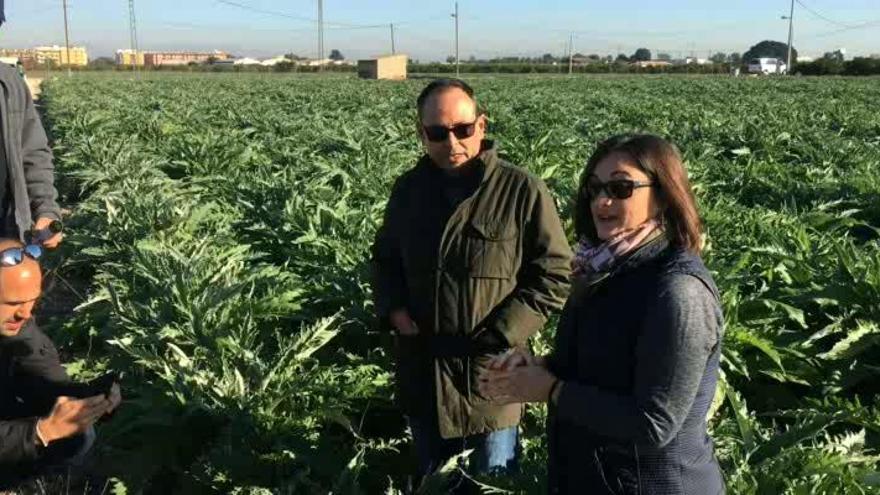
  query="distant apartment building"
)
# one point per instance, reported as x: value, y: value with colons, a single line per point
x: 56, y: 55
x: 27, y: 57
x: 129, y: 57
x: 156, y: 59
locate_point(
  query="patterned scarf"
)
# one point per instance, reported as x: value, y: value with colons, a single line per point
x: 590, y: 259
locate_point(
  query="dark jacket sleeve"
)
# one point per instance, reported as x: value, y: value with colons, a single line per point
x: 37, y: 373
x: 388, y: 283
x: 542, y: 280
x: 682, y: 328
x: 18, y: 441
x: 39, y: 172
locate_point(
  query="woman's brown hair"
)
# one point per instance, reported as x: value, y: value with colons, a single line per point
x: 662, y: 162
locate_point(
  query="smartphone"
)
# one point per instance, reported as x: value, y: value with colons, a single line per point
x: 97, y: 386
x: 42, y: 235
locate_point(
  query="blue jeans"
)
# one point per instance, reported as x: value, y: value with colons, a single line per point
x: 496, y: 452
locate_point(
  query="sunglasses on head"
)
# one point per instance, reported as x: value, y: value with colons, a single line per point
x: 438, y: 133
x: 15, y: 255
x: 616, y: 189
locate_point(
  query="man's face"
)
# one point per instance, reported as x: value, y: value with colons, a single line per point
x: 19, y: 290
x: 450, y: 108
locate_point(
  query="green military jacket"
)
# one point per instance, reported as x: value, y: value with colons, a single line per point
x: 502, y: 266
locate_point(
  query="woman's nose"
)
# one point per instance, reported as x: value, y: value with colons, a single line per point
x: 602, y: 199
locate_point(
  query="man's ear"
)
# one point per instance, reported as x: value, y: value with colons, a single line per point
x: 420, y: 130
x: 483, y: 123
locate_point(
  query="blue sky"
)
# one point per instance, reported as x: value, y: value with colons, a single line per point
x: 425, y: 30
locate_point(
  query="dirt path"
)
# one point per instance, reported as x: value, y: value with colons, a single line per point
x: 34, y: 85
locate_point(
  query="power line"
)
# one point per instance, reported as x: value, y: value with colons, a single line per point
x: 863, y: 25
x: 820, y: 16
x: 419, y: 37
x: 276, y: 13
x: 265, y: 12
x: 353, y: 27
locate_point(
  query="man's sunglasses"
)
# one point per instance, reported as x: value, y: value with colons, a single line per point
x: 617, y: 189
x: 438, y: 133
x: 15, y: 255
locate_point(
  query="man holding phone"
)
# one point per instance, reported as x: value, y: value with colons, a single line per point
x: 40, y: 426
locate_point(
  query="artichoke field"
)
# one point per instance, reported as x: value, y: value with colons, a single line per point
x: 220, y: 230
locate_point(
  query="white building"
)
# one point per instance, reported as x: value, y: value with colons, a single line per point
x: 315, y: 63
x: 271, y: 62
x: 246, y: 61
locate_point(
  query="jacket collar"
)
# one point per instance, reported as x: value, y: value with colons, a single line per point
x: 647, y: 252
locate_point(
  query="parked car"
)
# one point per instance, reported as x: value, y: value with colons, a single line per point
x: 767, y: 66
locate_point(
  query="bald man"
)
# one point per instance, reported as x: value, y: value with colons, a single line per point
x: 38, y: 429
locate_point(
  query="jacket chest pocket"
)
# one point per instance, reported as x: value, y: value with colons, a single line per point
x: 490, y: 250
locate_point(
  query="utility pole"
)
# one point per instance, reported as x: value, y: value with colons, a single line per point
x: 66, y: 38
x: 790, y: 35
x: 570, y: 52
x: 455, y: 15
x: 320, y: 34
x: 393, y: 51
x: 132, y: 25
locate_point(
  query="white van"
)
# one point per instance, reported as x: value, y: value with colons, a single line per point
x: 767, y: 66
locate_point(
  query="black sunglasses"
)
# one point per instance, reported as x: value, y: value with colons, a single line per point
x: 617, y: 189
x: 437, y: 133
x: 15, y: 255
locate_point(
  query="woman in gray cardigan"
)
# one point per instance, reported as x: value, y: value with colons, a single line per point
x: 635, y: 361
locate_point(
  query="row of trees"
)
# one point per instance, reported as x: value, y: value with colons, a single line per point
x: 642, y: 54
x: 767, y: 48
x: 599, y: 68
x: 834, y: 65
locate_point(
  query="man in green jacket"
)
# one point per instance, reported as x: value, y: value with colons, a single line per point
x: 470, y: 260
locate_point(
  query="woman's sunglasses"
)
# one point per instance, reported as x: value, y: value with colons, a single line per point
x: 616, y: 189
x: 438, y: 133
x: 14, y: 256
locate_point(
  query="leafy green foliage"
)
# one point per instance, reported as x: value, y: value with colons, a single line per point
x: 223, y: 224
